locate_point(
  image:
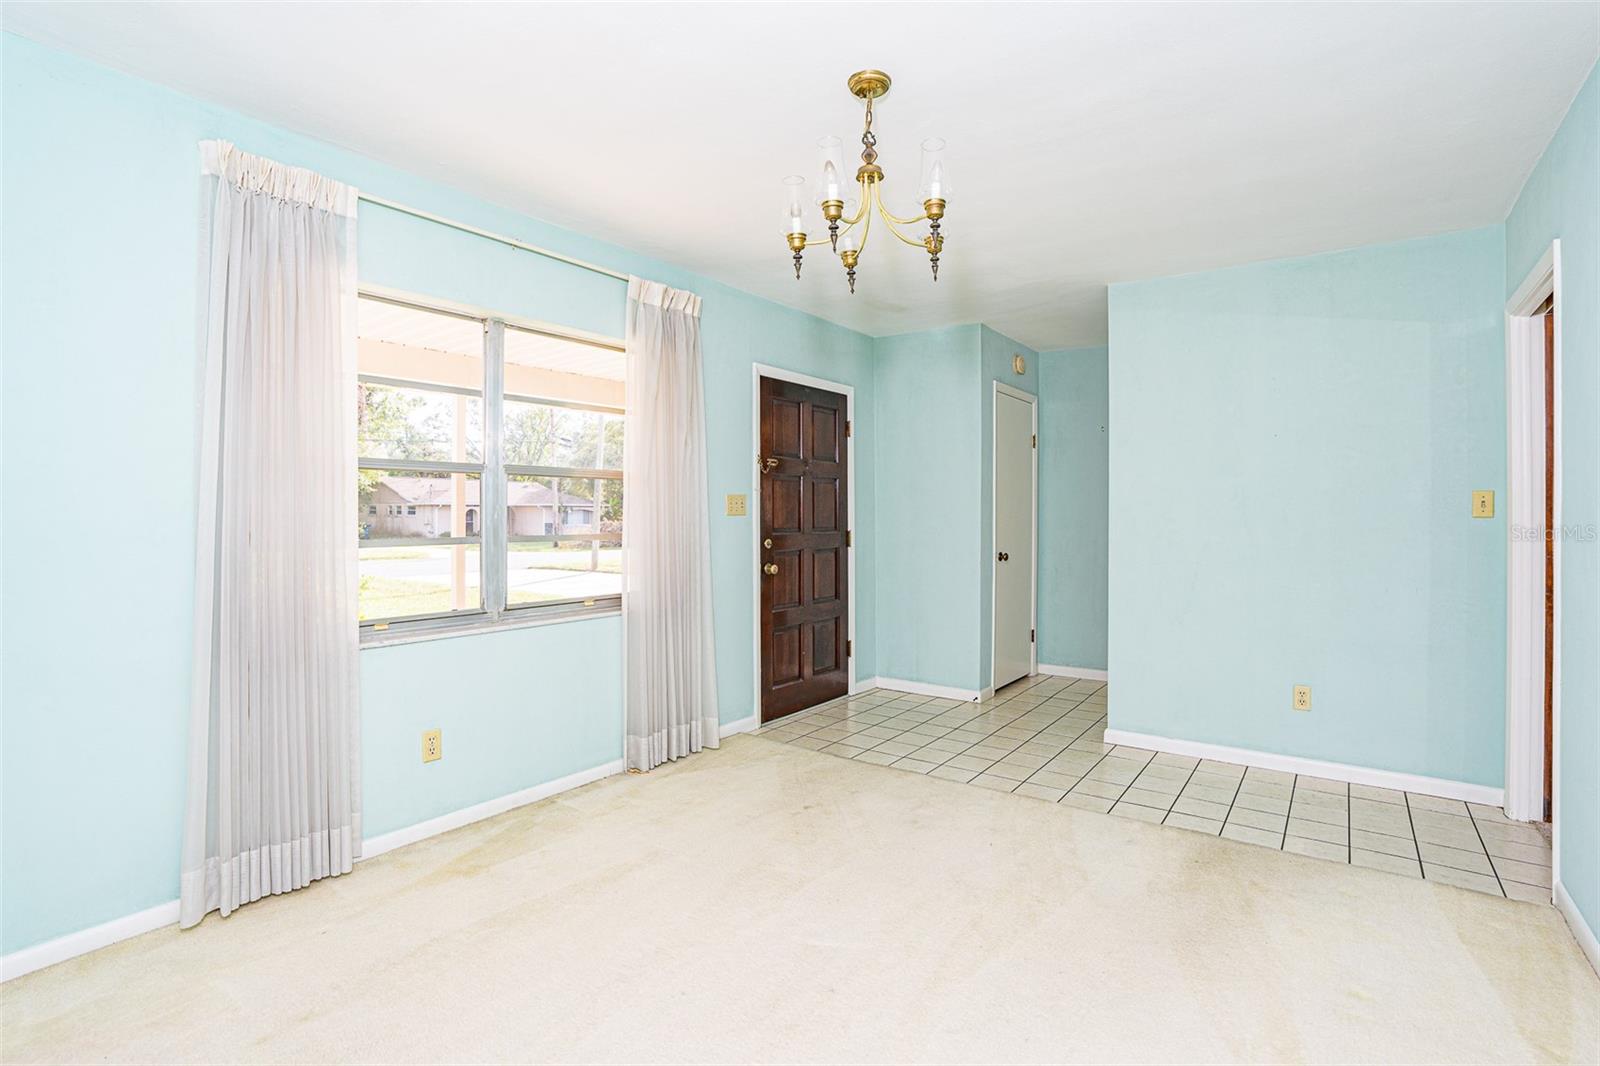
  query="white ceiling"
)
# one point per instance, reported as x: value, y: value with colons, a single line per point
x: 1089, y: 143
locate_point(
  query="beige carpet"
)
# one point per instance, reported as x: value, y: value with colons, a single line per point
x: 762, y: 903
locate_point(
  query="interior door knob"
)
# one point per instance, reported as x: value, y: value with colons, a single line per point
x: 1003, y: 556
x: 770, y: 569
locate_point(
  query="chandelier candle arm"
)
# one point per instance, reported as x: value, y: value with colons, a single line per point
x: 889, y: 221
x: 933, y: 186
x: 884, y: 211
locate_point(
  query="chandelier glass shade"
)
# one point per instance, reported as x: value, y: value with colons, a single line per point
x: 848, y: 205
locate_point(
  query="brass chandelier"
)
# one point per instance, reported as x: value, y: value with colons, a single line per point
x: 847, y: 242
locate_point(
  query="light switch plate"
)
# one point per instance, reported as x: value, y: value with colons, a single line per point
x: 432, y: 746
x: 736, y: 504
x: 1483, y: 503
x: 1302, y: 697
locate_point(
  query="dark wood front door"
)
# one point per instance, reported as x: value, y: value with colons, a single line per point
x: 805, y: 525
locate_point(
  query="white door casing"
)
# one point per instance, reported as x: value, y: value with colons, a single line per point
x: 1525, y: 577
x: 1013, y: 562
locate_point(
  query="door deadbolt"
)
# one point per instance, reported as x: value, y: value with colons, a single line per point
x: 767, y: 543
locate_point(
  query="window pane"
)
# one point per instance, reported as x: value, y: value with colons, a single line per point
x: 538, y: 434
x: 585, y: 373
x: 398, y: 582
x: 420, y: 506
x: 543, y: 570
x: 400, y: 423
x: 405, y: 344
x: 416, y: 576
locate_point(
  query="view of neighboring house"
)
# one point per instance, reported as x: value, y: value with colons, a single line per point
x: 420, y: 507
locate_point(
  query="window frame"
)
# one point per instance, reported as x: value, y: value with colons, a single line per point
x: 491, y: 538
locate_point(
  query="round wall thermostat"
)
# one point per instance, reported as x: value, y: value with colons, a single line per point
x: 1019, y: 364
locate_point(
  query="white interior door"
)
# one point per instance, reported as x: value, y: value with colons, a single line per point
x: 1013, y: 536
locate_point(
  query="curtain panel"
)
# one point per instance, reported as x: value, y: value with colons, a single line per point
x: 274, y: 790
x: 671, y: 678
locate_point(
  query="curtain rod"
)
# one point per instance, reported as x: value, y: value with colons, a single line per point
x: 428, y: 216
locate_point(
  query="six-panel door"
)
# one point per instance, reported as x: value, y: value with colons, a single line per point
x: 804, y: 522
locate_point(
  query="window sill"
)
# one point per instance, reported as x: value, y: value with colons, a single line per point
x: 390, y: 637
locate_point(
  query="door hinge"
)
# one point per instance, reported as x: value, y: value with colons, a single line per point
x: 849, y: 539
x: 1036, y: 440
x: 1030, y: 636
x: 847, y: 427
x: 849, y: 648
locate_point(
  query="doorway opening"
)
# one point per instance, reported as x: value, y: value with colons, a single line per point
x: 1533, y: 675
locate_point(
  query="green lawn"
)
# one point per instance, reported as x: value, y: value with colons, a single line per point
x: 387, y: 597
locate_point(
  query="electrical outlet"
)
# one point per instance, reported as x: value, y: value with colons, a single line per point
x: 432, y: 746
x: 1302, y: 697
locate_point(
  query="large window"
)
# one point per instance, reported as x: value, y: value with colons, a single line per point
x: 490, y: 472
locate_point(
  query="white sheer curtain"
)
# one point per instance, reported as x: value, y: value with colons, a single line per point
x: 274, y: 783
x: 671, y: 685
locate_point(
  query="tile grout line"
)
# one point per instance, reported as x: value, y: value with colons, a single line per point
x: 1235, y: 799
x: 1479, y: 834
x: 1416, y: 845
x: 1349, y: 823
x: 1179, y: 796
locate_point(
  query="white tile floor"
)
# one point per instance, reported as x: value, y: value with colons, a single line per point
x: 1043, y: 737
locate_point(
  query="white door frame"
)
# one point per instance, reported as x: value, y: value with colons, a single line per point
x: 757, y: 372
x: 1525, y: 433
x: 994, y: 481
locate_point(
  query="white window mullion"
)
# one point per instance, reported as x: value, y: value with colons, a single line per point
x: 493, y: 490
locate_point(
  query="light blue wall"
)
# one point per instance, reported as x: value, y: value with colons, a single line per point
x: 98, y: 417
x: 1293, y: 449
x: 1562, y: 200
x: 995, y: 353
x: 935, y: 430
x: 1074, y: 478
x: 929, y: 461
x: 524, y: 706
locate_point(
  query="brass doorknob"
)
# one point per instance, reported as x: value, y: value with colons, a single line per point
x: 770, y: 569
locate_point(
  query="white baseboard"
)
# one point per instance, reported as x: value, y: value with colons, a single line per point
x: 1072, y: 671
x: 1580, y: 928
x: 742, y: 725
x: 62, y: 948
x: 375, y: 846
x: 863, y: 685
x: 37, y: 957
x: 917, y: 688
x: 1294, y: 764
